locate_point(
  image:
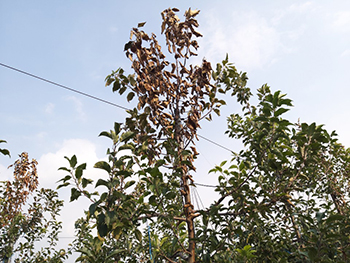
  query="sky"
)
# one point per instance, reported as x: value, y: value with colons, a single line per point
x: 299, y: 47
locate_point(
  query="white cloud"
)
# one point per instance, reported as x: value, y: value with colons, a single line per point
x: 49, y: 108
x: 341, y: 21
x: 5, y: 174
x: 113, y: 29
x: 345, y: 53
x: 41, y: 135
x: 50, y: 162
x: 78, y: 105
x: 48, y: 173
x: 296, y: 33
x: 248, y: 38
x: 300, y: 8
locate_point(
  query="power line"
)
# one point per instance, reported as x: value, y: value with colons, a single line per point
x: 205, y: 185
x: 223, y: 147
x: 92, y: 97
x: 64, y: 87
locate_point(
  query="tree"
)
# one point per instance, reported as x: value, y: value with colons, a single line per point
x: 20, y: 229
x: 172, y: 99
x: 287, y: 191
x: 283, y: 198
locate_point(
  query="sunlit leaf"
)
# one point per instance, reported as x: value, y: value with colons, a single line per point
x: 103, y: 165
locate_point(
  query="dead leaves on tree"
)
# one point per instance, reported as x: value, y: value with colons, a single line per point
x: 17, y: 192
x: 170, y: 87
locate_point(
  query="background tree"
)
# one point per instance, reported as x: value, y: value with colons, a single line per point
x: 28, y: 215
x: 286, y: 194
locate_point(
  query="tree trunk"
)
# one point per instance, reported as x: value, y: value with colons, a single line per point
x: 188, y: 209
x: 186, y: 193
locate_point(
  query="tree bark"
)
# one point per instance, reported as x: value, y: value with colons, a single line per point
x: 185, y: 191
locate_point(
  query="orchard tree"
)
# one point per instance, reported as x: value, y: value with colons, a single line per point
x: 283, y: 198
x: 28, y: 215
x: 286, y: 195
x: 173, y: 96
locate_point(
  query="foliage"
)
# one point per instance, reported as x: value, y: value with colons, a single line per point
x: 283, y: 198
x: 4, y: 151
x: 21, y: 229
x: 285, y: 194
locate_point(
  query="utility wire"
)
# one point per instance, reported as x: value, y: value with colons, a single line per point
x: 92, y: 97
x: 64, y: 87
x: 223, y: 147
x: 205, y: 185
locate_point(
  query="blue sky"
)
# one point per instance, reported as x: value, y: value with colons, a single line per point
x: 299, y: 47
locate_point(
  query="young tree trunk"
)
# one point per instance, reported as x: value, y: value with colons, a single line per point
x: 189, y: 213
x: 186, y: 193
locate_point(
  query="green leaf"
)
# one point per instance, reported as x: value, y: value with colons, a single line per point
x: 223, y: 163
x: 117, y: 128
x: 66, y: 178
x: 79, y: 171
x: 127, y: 136
x: 215, y: 76
x: 130, y: 96
x: 93, y: 207
x: 280, y: 111
x: 127, y: 146
x: 311, y: 129
x: 106, y: 134
x: 122, y: 90
x: 85, y: 182
x: 312, y: 253
x: 103, y: 165
x: 62, y: 185
x: 128, y: 184
x: 103, y: 197
x: 117, y: 232
x: 115, y: 137
x: 101, y: 225
x: 335, y: 217
x: 102, y: 182
x: 5, y: 152
x: 152, y: 200
x: 138, y: 235
x: 115, y: 252
x: 75, y: 194
x: 64, y: 169
x: 287, y: 102
x: 72, y: 161
x: 116, y: 84
x: 132, y: 80
x: 217, y: 111
x: 170, y: 195
x: 320, y: 216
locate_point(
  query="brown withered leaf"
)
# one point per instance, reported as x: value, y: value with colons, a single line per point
x: 128, y: 45
x: 168, y: 115
x: 194, y: 150
x: 191, y: 13
x: 141, y: 24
